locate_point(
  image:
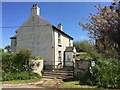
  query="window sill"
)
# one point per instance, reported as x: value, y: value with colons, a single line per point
x: 59, y: 45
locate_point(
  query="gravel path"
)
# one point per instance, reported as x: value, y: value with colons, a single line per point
x: 44, y: 83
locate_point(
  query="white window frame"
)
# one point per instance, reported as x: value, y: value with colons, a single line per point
x: 59, y: 39
x: 59, y: 56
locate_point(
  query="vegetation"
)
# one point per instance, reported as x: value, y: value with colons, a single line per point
x: 85, y: 56
x: 104, y: 28
x: 83, y: 46
x: 8, y: 48
x: 24, y: 75
x: 15, y: 66
x: 104, y: 73
x: 20, y: 81
x: 75, y: 84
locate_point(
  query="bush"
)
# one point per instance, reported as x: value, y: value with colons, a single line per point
x: 106, y: 71
x: 18, y: 62
x: 15, y: 66
x: 20, y: 76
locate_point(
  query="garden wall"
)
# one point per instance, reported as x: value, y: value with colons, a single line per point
x: 36, y: 66
x: 81, y: 66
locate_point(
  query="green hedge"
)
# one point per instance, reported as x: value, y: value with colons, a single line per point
x: 20, y: 76
x: 106, y: 71
x: 15, y: 66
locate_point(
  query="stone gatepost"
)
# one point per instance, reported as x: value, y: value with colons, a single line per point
x: 36, y: 66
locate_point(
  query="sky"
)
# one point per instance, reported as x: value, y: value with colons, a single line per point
x: 69, y: 14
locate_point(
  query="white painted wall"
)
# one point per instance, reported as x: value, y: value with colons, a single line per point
x: 37, y: 38
x: 13, y: 46
x: 64, y: 44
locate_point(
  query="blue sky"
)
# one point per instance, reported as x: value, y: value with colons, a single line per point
x: 69, y: 14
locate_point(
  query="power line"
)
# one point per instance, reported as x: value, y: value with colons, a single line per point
x: 24, y: 26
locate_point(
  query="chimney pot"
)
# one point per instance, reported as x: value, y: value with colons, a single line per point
x: 59, y: 26
x: 35, y: 10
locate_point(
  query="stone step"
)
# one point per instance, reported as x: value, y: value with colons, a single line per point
x: 58, y: 77
x: 58, y: 73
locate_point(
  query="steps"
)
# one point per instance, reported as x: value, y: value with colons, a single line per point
x: 59, y: 74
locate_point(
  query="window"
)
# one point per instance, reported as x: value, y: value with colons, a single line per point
x: 59, y: 56
x: 69, y: 42
x: 59, y: 39
x: 68, y: 58
x: 15, y: 42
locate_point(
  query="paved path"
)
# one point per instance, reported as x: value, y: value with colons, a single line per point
x: 43, y: 83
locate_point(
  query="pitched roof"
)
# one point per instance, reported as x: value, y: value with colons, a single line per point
x: 40, y: 21
x: 55, y: 28
x: 13, y: 37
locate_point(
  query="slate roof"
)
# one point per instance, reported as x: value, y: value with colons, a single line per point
x: 13, y: 37
x: 39, y: 21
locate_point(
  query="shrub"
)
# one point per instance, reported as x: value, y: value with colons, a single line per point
x: 22, y: 59
x: 20, y: 76
x: 18, y: 62
x: 106, y: 71
x: 15, y: 66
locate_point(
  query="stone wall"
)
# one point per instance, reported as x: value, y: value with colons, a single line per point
x: 81, y: 66
x: 36, y: 66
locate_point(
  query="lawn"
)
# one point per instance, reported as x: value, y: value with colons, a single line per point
x: 75, y: 84
x: 20, y: 81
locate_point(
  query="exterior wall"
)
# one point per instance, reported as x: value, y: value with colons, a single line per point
x: 81, y: 67
x: 13, y: 45
x: 64, y: 44
x: 36, y: 38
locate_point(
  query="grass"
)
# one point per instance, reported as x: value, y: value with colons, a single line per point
x: 20, y: 81
x: 75, y: 84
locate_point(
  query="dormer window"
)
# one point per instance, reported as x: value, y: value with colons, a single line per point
x: 59, y: 39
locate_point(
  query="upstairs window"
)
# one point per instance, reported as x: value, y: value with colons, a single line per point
x: 59, y: 39
x: 59, y: 56
x: 69, y: 42
x: 15, y: 43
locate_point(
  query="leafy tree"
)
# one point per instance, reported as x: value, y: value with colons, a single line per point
x: 8, y: 48
x: 104, y: 28
x: 84, y: 46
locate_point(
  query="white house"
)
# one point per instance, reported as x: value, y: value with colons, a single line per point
x: 43, y: 39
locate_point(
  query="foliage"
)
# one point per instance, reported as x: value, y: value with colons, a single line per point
x: 15, y: 66
x: 18, y: 62
x: 75, y: 84
x: 36, y: 58
x: 83, y: 57
x: 106, y: 72
x: 22, y: 59
x: 8, y: 48
x: 19, y: 76
x: 104, y: 28
x: 83, y: 46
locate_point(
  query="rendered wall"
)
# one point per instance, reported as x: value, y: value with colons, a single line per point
x: 64, y: 44
x: 37, y: 38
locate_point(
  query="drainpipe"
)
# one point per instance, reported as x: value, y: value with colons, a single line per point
x: 53, y: 48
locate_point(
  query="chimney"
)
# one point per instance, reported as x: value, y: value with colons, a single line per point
x: 59, y: 26
x: 35, y: 10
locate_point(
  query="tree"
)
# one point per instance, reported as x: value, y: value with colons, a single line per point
x: 103, y: 27
x: 83, y: 46
x: 8, y: 48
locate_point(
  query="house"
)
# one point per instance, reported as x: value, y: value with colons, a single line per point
x: 43, y: 39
